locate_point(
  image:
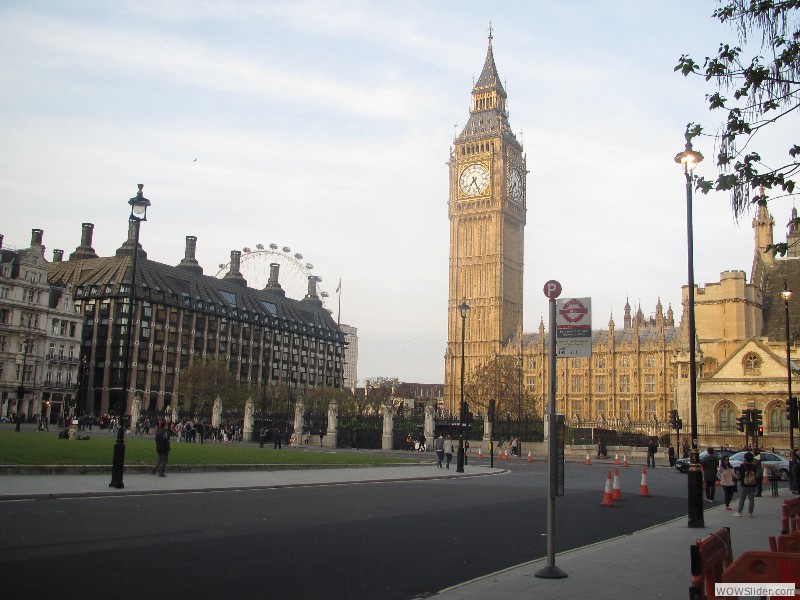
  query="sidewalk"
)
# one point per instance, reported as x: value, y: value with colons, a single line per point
x: 652, y: 563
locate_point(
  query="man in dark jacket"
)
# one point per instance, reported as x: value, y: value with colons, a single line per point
x: 710, y: 464
x: 162, y: 448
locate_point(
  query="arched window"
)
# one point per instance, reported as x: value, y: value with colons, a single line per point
x: 776, y: 417
x: 751, y: 364
x: 726, y: 417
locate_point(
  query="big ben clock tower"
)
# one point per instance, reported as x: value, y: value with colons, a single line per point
x: 487, y: 232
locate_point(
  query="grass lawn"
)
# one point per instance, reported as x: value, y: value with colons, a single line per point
x: 44, y: 448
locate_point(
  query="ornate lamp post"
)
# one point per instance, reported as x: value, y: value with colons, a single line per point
x: 689, y: 159
x: 463, y: 308
x: 138, y: 214
x: 786, y: 294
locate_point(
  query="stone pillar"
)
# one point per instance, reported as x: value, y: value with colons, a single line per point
x: 136, y: 410
x: 332, y: 437
x: 388, y: 425
x: 216, y: 412
x: 430, y: 426
x: 249, y: 419
x: 487, y: 429
x: 299, y: 409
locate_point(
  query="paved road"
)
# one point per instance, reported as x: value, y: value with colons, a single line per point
x: 395, y: 539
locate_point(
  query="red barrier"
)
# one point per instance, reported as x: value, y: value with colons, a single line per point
x: 788, y: 542
x: 791, y: 509
x: 710, y: 556
x: 763, y: 567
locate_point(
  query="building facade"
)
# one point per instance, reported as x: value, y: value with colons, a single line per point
x: 350, y: 375
x: 40, y: 337
x: 180, y: 314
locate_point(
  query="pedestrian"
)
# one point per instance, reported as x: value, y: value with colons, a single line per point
x: 466, y: 451
x: 321, y: 434
x: 759, y: 472
x: 710, y: 464
x: 448, y: 450
x: 422, y: 442
x: 277, y: 445
x: 747, y: 475
x: 162, y: 449
x: 794, y: 465
x: 685, y: 449
x: 651, y: 453
x: 671, y: 455
x: 438, y: 445
x: 727, y: 479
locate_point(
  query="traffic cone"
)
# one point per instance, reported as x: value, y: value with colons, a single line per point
x: 624, y: 460
x: 505, y: 457
x: 480, y: 451
x: 530, y: 457
x: 765, y: 479
x: 499, y: 455
x: 588, y: 462
x: 643, y: 491
x: 608, y: 499
x: 616, y: 459
x: 616, y: 493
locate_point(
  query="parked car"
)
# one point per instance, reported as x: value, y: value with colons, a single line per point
x: 778, y: 463
x: 682, y: 464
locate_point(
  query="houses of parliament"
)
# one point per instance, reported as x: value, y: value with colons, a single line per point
x: 639, y: 368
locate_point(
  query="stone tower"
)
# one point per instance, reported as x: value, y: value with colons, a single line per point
x: 486, y: 208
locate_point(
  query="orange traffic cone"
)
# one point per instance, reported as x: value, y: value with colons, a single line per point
x: 588, y: 462
x: 616, y: 493
x: 505, y: 456
x: 624, y: 460
x: 643, y: 491
x: 616, y: 459
x: 499, y: 455
x: 608, y: 494
x: 765, y: 480
x: 530, y: 456
x: 480, y: 451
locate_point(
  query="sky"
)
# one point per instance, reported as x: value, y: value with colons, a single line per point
x: 326, y: 126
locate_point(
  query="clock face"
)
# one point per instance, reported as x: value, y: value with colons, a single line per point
x: 515, y: 184
x: 474, y: 180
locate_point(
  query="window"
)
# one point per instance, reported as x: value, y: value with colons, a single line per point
x: 576, y: 384
x: 55, y: 326
x: 4, y: 313
x: 650, y: 361
x: 600, y: 362
x: 751, y: 364
x: 625, y: 384
x: 776, y: 417
x: 650, y: 384
x: 576, y: 362
x: 2, y: 343
x: 726, y: 417
x: 625, y: 361
x: 600, y: 384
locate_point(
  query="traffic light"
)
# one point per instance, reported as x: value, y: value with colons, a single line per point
x: 791, y: 411
x: 673, y: 419
x: 492, y: 404
x: 757, y: 413
x: 679, y: 424
x: 743, y: 422
x: 760, y: 431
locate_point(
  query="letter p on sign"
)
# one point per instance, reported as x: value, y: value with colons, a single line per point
x: 552, y: 289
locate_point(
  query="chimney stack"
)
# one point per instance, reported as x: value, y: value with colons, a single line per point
x: 189, y: 261
x: 85, y: 250
x: 272, y: 284
x: 234, y: 274
x: 311, y: 296
x: 58, y: 255
x: 127, y: 247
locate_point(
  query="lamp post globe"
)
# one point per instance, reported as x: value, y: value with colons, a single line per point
x: 689, y: 159
x: 138, y: 214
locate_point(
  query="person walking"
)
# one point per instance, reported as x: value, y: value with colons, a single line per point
x: 747, y: 474
x: 438, y: 445
x: 794, y: 465
x: 448, y: 450
x: 727, y: 479
x: 277, y: 445
x: 710, y: 464
x: 759, y: 472
x: 162, y: 449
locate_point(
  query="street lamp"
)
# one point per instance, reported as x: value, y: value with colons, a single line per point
x: 138, y: 214
x: 689, y: 159
x: 463, y: 309
x: 786, y: 294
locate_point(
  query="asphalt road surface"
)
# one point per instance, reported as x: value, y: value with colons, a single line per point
x: 393, y: 540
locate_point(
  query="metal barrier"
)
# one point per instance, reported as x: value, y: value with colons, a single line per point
x: 709, y: 558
